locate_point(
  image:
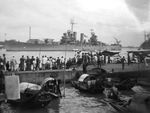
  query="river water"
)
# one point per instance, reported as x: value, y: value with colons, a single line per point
x: 75, y: 101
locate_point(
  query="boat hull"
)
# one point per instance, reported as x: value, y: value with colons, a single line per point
x: 36, y: 101
x: 32, y: 95
x: 120, y: 105
x: 125, y: 84
x: 84, y: 87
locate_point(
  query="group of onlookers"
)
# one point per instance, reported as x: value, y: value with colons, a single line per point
x: 45, y: 63
x: 31, y: 63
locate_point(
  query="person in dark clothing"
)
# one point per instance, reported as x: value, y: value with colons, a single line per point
x: 1, y: 63
x: 68, y: 64
x: 28, y: 64
x: 58, y: 63
x: 109, y: 61
x: 37, y: 63
x: 7, y: 66
x: 98, y: 60
x: 104, y: 59
x: 2, y: 86
x: 32, y: 62
x: 22, y: 62
x: 85, y: 63
x: 123, y: 62
x: 129, y: 60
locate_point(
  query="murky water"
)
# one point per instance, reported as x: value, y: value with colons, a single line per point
x: 77, y: 102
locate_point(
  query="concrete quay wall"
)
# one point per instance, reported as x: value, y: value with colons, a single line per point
x: 131, y: 71
x: 38, y: 76
x: 130, y: 74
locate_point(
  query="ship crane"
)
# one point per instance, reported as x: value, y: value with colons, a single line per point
x: 117, y: 41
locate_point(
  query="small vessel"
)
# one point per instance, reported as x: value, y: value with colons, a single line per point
x: 124, y: 84
x: 113, y: 99
x: 120, y: 105
x: 33, y: 95
x: 90, y: 82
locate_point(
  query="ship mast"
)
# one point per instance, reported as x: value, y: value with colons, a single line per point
x: 29, y: 32
x: 72, y: 24
x: 145, y: 35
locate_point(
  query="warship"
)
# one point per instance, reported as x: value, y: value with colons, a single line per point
x: 67, y: 42
x: 146, y: 43
x: 22, y: 46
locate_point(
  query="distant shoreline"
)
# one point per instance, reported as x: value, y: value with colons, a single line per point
x: 62, y: 49
x: 39, y: 50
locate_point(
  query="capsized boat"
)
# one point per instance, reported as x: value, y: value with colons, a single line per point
x: 90, y: 82
x: 33, y: 95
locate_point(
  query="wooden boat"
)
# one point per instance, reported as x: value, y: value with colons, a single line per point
x: 32, y: 95
x: 120, y: 83
x: 91, y: 82
x: 120, y: 105
x: 113, y: 99
x: 124, y: 84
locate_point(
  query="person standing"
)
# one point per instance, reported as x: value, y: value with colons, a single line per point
x: 62, y: 64
x: 22, y: 62
x: 37, y: 63
x: 84, y: 62
x: 13, y: 63
x: 4, y: 62
x: 1, y: 63
x: 109, y: 61
x: 51, y: 63
x: 129, y: 61
x: 7, y: 66
x: 32, y: 62
x: 58, y: 63
x: 123, y: 62
x: 99, y: 60
x: 28, y: 64
x: 44, y: 60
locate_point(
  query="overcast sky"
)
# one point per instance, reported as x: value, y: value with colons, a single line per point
x: 123, y: 19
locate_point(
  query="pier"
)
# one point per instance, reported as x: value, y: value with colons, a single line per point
x: 114, y: 70
x: 38, y: 76
x: 132, y: 70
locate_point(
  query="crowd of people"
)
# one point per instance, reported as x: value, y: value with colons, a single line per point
x: 31, y: 63
x: 28, y: 63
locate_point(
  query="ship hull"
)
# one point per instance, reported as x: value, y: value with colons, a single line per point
x: 43, y: 47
